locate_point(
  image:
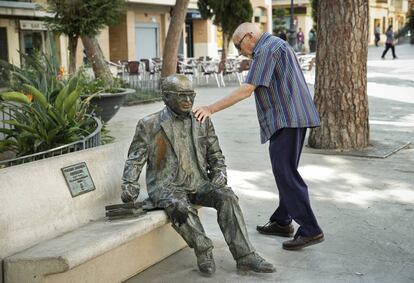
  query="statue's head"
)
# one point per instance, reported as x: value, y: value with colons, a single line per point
x: 178, y: 93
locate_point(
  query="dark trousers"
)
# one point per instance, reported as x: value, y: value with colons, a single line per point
x: 312, y: 46
x: 377, y: 39
x: 387, y: 47
x: 285, y: 149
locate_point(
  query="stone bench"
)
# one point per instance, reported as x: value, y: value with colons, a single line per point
x: 48, y: 236
x: 101, y: 251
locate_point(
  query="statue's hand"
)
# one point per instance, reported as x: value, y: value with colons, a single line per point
x: 178, y: 213
x: 219, y: 179
x: 129, y: 193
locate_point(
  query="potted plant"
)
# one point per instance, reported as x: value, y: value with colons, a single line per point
x: 39, y: 123
x: 84, y: 20
x: 104, y: 101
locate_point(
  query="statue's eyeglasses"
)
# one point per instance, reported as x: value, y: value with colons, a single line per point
x: 182, y: 94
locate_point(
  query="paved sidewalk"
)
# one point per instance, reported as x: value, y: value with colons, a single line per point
x: 364, y: 205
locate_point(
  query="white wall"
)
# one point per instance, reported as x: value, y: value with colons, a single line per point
x: 36, y: 203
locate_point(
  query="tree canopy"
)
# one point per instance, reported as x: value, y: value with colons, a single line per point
x: 78, y: 17
x: 278, y: 20
x: 227, y: 14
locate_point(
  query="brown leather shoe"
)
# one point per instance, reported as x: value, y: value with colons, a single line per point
x: 272, y: 228
x: 300, y: 242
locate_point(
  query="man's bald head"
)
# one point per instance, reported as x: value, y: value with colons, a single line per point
x: 244, y: 28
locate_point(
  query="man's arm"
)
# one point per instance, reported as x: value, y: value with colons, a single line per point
x: 243, y: 92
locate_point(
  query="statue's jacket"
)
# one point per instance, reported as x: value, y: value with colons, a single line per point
x: 153, y: 144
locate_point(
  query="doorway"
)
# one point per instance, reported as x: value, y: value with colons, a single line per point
x: 146, y: 41
x: 189, y: 38
x: 4, y: 53
x: 32, y: 41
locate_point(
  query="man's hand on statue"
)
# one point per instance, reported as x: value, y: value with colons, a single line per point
x: 219, y: 179
x: 201, y: 113
x: 129, y: 193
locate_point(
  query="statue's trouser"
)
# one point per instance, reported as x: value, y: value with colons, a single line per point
x: 229, y: 217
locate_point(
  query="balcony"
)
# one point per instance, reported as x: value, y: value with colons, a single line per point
x: 153, y: 2
x: 287, y: 2
x: 20, y: 9
x: 401, y: 6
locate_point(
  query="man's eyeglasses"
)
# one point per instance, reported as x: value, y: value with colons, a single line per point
x: 238, y: 45
x: 182, y: 94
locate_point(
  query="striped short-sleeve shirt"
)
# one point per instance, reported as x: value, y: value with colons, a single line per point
x: 282, y: 96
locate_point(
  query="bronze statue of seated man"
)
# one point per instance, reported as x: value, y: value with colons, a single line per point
x: 185, y: 167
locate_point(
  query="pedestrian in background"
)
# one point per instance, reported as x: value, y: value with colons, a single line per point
x: 377, y: 34
x: 312, y: 41
x: 301, y: 39
x: 389, y: 43
x: 283, y: 35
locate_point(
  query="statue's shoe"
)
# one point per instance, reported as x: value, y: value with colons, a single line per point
x: 254, y: 262
x: 205, y: 262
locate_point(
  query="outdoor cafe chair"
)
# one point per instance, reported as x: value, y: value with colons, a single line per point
x: 242, y: 70
x: 134, y: 73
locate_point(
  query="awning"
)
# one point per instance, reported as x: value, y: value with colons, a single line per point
x: 193, y: 14
x: 21, y: 9
x: 153, y: 2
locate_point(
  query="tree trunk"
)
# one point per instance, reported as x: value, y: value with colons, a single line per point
x: 169, y: 63
x: 95, y: 55
x: 224, y: 47
x: 73, y: 44
x: 341, y: 75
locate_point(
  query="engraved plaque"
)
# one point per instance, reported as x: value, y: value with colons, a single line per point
x: 78, y: 179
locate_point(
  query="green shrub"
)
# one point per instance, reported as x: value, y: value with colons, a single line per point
x: 39, y: 124
x: 142, y: 96
x: 95, y: 86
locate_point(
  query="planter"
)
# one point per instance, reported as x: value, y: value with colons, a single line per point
x: 92, y: 140
x: 106, y: 105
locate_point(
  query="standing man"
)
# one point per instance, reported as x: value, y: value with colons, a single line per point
x: 285, y: 110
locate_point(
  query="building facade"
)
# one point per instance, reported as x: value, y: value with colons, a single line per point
x: 21, y: 29
x: 302, y: 18
x: 140, y: 33
x: 382, y: 12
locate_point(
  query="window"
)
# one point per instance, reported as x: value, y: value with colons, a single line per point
x: 4, y: 54
x: 31, y: 41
